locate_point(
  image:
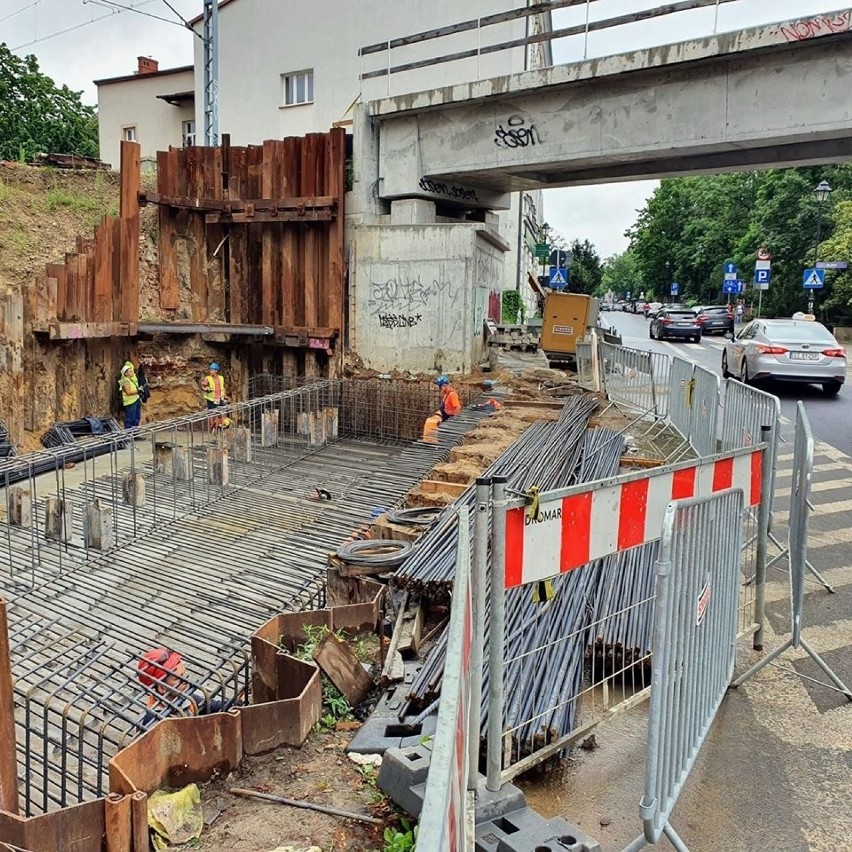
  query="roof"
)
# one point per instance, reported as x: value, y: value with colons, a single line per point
x: 178, y: 98
x: 151, y: 75
x: 199, y: 18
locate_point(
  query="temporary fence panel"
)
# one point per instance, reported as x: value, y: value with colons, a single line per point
x: 577, y: 525
x: 661, y: 365
x: 694, y: 405
x: 584, y: 362
x: 694, y: 645
x: 680, y: 395
x: 746, y: 410
x: 443, y: 820
x: 628, y: 377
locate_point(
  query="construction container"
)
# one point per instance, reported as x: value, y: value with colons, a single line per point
x: 567, y: 317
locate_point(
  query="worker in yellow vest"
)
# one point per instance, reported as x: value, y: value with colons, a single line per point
x: 213, y: 386
x: 128, y: 384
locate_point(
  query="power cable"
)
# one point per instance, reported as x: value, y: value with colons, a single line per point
x: 22, y: 9
x: 138, y: 11
x: 186, y: 23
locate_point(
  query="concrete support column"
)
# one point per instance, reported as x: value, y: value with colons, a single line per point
x: 182, y: 464
x: 133, y: 489
x: 20, y: 507
x: 269, y: 428
x: 98, y: 530
x: 163, y: 453
x: 58, y: 519
x: 217, y: 466
x: 241, y: 444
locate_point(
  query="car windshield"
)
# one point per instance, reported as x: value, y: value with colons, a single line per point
x: 800, y: 332
x: 715, y: 311
x: 680, y: 315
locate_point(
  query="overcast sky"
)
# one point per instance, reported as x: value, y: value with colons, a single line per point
x: 78, y: 41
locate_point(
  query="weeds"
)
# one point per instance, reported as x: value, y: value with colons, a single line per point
x: 77, y: 202
x: 400, y: 839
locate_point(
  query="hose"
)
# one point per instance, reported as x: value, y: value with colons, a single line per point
x: 390, y: 554
x: 423, y: 516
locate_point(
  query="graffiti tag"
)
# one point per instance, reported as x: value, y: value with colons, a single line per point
x: 517, y: 135
x: 820, y: 25
x: 405, y: 295
x: 438, y: 187
x: 399, y: 320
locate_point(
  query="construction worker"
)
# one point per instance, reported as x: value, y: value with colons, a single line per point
x: 213, y: 386
x: 128, y: 384
x: 162, y: 673
x: 450, y: 402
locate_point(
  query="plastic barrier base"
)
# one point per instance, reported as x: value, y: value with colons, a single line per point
x: 523, y: 830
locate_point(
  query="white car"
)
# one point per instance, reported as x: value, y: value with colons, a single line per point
x: 788, y: 350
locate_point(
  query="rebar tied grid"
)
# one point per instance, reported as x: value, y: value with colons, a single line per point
x: 197, y: 576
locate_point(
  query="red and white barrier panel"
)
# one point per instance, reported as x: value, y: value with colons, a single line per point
x: 592, y: 524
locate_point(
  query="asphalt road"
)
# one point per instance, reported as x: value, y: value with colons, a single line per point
x: 831, y: 419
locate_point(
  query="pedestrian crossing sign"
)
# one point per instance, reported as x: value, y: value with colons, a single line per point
x: 558, y: 276
x: 813, y: 279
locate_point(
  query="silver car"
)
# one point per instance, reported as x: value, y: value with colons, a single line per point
x: 789, y: 350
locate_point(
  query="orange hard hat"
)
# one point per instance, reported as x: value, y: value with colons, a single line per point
x: 157, y: 664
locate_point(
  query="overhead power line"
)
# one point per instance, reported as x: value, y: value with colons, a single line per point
x: 18, y: 12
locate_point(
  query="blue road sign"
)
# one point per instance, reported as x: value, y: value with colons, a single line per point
x: 762, y: 276
x: 558, y: 277
x: 731, y: 267
x: 740, y: 286
x: 730, y: 287
x: 832, y: 264
x: 675, y: 288
x: 813, y: 279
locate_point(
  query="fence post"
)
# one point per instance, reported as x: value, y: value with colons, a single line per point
x: 479, y: 579
x: 596, y: 363
x: 497, y: 628
x: 764, y: 511
x: 8, y: 752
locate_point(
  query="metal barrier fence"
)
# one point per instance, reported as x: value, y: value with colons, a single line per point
x: 627, y: 377
x: 694, y: 405
x: 444, y: 817
x: 584, y: 363
x: 695, y: 631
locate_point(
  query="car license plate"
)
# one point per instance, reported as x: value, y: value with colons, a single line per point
x: 686, y: 324
x: 804, y: 356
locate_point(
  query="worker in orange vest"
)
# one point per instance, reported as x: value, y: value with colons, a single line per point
x: 450, y: 402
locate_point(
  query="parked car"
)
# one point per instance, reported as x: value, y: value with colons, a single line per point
x: 654, y: 309
x: 789, y: 350
x: 716, y: 318
x: 679, y: 324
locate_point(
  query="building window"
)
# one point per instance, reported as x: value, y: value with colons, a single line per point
x: 297, y: 88
x: 188, y: 133
x: 128, y: 134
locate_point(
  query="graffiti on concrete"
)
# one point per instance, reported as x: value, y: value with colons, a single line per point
x: 438, y: 187
x: 840, y: 22
x: 518, y: 134
x: 399, y: 320
x: 405, y: 295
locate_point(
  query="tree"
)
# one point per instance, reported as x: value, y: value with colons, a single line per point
x: 586, y: 268
x: 37, y: 116
x: 621, y: 275
x: 839, y: 247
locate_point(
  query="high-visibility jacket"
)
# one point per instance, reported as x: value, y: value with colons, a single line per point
x: 450, y: 404
x: 130, y: 383
x: 213, y: 386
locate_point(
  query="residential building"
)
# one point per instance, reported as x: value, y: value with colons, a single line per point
x: 153, y: 107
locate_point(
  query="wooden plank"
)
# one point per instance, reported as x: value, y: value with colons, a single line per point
x: 282, y: 216
x: 269, y: 255
x: 436, y: 486
x: 290, y: 186
x: 115, y: 224
x: 169, y: 282
x: 197, y: 238
x: 214, y: 234
x: 128, y: 297
x: 236, y: 239
x: 102, y: 292
x: 412, y: 630
x: 266, y: 204
x: 335, y: 185
x: 72, y: 287
x: 90, y: 279
x: 253, y: 299
x: 58, y: 271
x: 343, y: 669
x: 310, y: 182
x: 84, y: 330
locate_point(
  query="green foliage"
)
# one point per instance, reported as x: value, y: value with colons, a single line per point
x: 586, y: 269
x: 839, y: 247
x: 36, y: 115
x: 512, y: 307
x: 691, y: 226
x: 402, y: 839
x: 77, y: 202
x: 620, y: 273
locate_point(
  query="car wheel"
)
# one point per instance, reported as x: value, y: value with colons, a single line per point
x: 697, y: 338
x: 745, y: 377
x: 651, y: 332
x: 831, y: 388
x: 725, y: 373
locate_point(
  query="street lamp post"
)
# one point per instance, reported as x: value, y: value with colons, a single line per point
x: 821, y: 193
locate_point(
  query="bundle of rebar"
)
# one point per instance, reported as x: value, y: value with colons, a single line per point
x: 596, y: 627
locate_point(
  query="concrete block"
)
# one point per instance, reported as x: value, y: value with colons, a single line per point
x: 413, y: 211
x: 163, y: 453
x: 403, y: 770
x: 133, y: 489
x: 490, y: 806
x: 269, y: 428
x: 524, y: 830
x: 182, y: 464
x: 20, y: 507
x: 58, y: 519
x: 98, y: 530
x: 217, y: 466
x: 241, y: 444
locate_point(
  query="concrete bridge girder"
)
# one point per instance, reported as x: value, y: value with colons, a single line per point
x: 754, y: 99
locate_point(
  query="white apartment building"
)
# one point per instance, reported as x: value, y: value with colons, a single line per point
x: 152, y: 107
